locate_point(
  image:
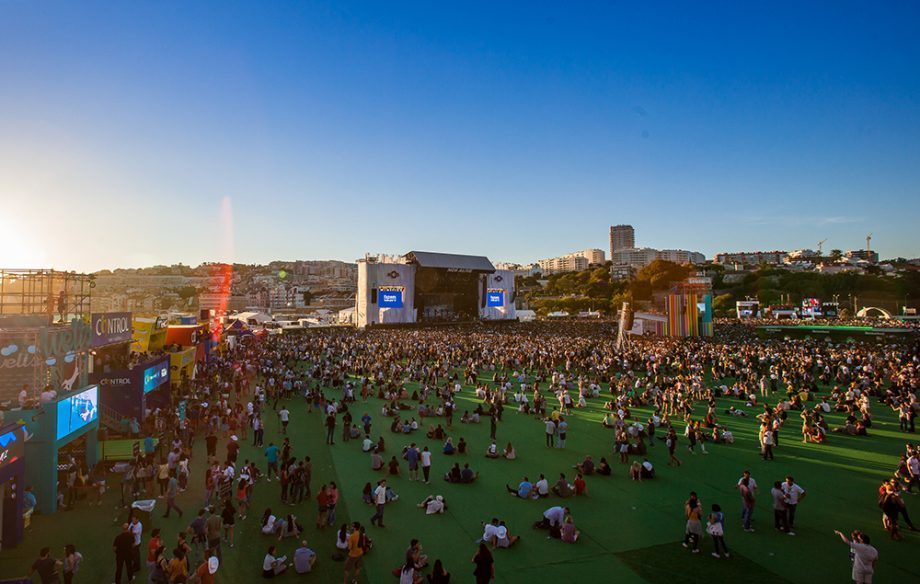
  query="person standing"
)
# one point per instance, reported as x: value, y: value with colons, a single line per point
x: 284, y: 415
x: 47, y: 567
x: 412, y: 457
x: 356, y: 549
x: 716, y: 529
x: 271, y: 455
x: 693, y: 513
x: 330, y: 428
x: 137, y: 528
x: 794, y: 494
x: 865, y: 556
x: 747, y: 504
x: 426, y: 463
x: 779, y: 507
x: 550, y: 431
x: 485, y: 565
x: 123, y: 546
x: 72, y: 561
x: 380, y: 499
x: 213, y: 528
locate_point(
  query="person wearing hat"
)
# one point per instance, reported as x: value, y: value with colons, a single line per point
x: 207, y: 569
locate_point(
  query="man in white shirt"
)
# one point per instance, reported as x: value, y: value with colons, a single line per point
x: 285, y: 416
x: 489, y: 530
x: 865, y: 557
x: 554, y: 516
x: 752, y: 484
x: 380, y: 499
x: 794, y: 493
x: 542, y: 486
x: 136, y: 528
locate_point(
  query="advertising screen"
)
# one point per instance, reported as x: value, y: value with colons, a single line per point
x: 390, y: 297
x: 77, y: 411
x: 495, y: 298
x: 156, y: 376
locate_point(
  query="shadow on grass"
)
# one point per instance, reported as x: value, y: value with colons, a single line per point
x: 670, y: 563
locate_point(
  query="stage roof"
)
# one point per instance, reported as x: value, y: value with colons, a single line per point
x: 451, y: 261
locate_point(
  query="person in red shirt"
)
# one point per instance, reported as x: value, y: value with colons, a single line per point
x: 322, y: 504
x: 581, y: 487
x: 152, y: 546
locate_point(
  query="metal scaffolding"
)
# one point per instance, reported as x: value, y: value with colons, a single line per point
x: 60, y: 296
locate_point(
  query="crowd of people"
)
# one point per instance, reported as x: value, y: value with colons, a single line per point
x: 540, y: 370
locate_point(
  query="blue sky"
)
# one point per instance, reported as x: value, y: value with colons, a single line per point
x: 519, y: 131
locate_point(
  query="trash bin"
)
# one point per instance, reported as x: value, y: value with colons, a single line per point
x: 143, y: 510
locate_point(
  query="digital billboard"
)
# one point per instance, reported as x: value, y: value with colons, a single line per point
x: 156, y: 376
x: 77, y: 411
x: 495, y: 297
x: 390, y: 297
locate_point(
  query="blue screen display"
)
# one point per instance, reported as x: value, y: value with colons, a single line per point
x: 390, y: 298
x: 155, y: 376
x: 495, y: 298
x: 77, y: 411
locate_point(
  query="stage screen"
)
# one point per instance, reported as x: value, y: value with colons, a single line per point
x: 495, y: 298
x: 389, y: 297
x: 156, y: 376
x: 77, y: 411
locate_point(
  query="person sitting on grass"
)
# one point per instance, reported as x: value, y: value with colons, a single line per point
x: 603, y: 468
x: 376, y: 461
x: 569, y: 533
x: 449, y: 448
x: 453, y: 475
x: 272, y: 565
x: 492, y: 450
x: 562, y: 488
x: 523, y: 490
x: 586, y: 466
x: 393, y: 466
x: 581, y: 487
x: 509, y: 453
x: 433, y: 504
x: 635, y: 471
x: 461, y: 446
x: 504, y: 539
x: 367, y: 494
x: 467, y: 475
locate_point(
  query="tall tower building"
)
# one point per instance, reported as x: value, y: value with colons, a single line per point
x: 621, y: 237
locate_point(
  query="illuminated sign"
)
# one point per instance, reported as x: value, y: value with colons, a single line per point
x: 77, y: 411
x: 495, y: 297
x: 11, y: 446
x: 111, y: 327
x: 155, y: 376
x: 390, y: 296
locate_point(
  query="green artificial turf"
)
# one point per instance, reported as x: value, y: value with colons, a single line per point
x: 630, y: 531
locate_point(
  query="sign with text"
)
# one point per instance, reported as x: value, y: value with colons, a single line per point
x: 495, y: 297
x: 390, y: 296
x: 156, y: 376
x: 11, y: 445
x: 111, y: 327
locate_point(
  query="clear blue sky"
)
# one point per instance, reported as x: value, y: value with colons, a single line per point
x: 518, y: 131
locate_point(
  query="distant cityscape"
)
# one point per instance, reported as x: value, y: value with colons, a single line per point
x: 330, y: 285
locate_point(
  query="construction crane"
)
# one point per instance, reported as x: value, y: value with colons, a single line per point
x: 869, y: 243
x: 820, y: 244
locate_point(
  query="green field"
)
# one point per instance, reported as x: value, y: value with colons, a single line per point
x: 630, y: 531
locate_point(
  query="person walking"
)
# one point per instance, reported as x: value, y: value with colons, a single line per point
x: 356, y: 548
x: 330, y: 428
x: 172, y: 489
x: 380, y: 499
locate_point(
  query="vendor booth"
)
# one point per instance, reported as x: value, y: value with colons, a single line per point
x: 58, y: 431
x: 149, y: 334
x: 12, y: 479
x: 182, y: 365
x: 129, y: 393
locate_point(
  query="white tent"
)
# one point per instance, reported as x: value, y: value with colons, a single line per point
x: 251, y: 317
x: 526, y: 315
